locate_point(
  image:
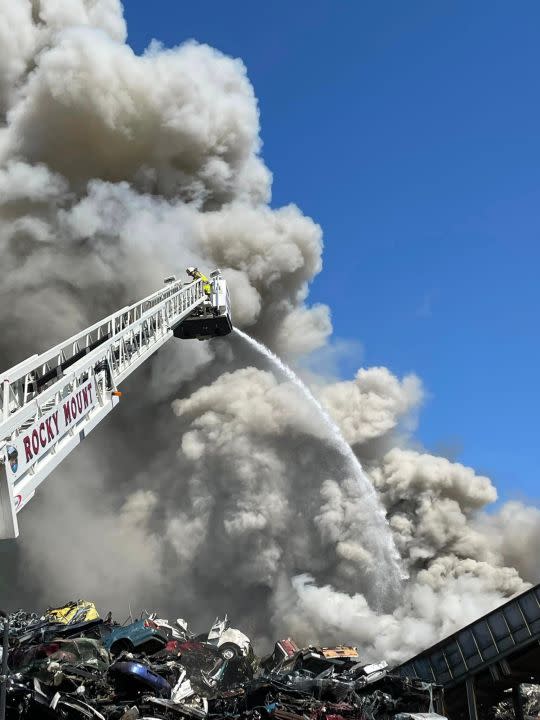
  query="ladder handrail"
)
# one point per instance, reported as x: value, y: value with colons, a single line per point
x: 34, y: 362
x: 32, y: 407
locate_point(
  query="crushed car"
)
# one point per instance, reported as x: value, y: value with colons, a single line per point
x: 70, y: 664
x: 142, y: 636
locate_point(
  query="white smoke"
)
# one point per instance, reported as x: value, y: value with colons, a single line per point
x: 214, y: 486
x: 372, y: 405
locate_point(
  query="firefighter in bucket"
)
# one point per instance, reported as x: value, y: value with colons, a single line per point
x: 196, y: 274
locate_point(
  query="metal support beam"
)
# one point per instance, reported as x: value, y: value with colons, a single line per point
x: 471, y: 698
x: 4, y: 674
x: 517, y: 699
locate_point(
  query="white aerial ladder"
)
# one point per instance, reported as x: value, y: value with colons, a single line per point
x: 51, y: 401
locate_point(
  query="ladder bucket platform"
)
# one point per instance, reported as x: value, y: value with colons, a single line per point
x: 204, y: 327
x: 212, y: 318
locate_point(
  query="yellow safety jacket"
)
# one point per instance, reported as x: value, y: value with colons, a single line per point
x: 207, y: 285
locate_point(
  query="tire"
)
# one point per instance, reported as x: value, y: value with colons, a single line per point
x: 121, y: 645
x: 229, y: 651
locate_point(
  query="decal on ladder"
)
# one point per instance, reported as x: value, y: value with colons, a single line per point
x: 47, y: 430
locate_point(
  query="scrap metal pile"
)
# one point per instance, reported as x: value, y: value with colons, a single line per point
x: 530, y: 698
x: 72, y: 664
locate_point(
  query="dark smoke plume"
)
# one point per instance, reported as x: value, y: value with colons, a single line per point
x: 212, y: 487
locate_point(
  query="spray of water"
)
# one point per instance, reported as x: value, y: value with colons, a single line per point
x: 390, y: 571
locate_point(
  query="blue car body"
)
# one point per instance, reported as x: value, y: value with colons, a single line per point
x: 141, y: 635
x: 130, y: 673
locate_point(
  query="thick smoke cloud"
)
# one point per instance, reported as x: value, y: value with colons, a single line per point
x: 519, y: 549
x: 214, y: 485
x: 371, y: 405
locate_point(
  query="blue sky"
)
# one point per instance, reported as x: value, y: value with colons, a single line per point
x: 411, y: 132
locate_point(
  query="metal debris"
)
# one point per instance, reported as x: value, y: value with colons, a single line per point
x: 70, y: 664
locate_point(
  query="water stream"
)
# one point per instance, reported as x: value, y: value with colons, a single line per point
x: 392, y: 573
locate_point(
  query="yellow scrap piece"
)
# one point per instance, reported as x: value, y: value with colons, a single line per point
x: 73, y: 612
x: 340, y: 651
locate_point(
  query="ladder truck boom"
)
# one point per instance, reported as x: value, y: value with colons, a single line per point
x: 51, y: 401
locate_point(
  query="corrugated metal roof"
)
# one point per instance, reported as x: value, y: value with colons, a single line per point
x: 491, y: 638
